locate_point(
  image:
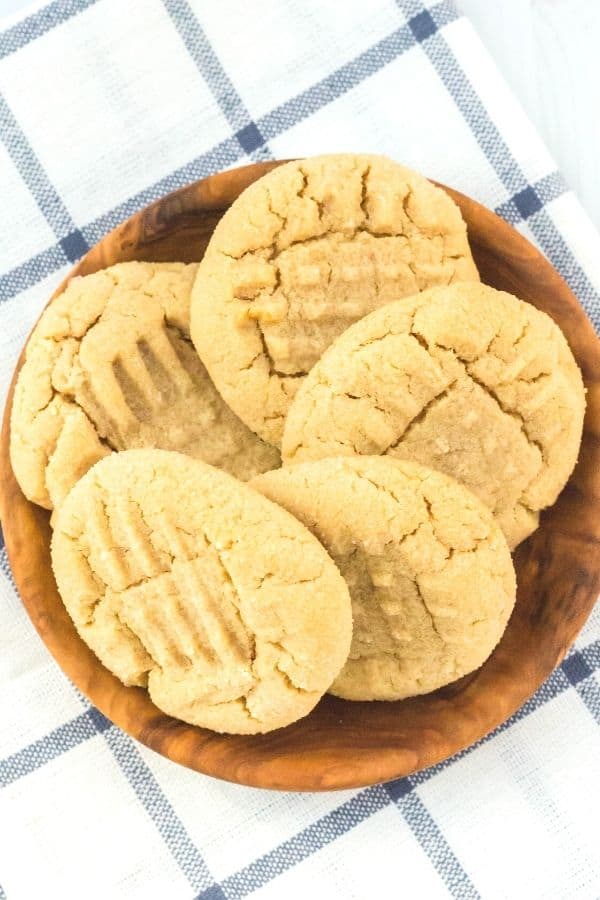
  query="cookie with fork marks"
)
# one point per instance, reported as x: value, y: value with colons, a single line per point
x: 303, y: 253
x: 110, y: 366
x: 184, y: 580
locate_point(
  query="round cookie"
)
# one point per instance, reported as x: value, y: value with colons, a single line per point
x: 465, y: 379
x: 302, y: 253
x: 110, y: 366
x: 183, y: 579
x: 429, y: 571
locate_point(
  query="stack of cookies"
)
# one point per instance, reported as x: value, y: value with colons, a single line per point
x: 300, y: 466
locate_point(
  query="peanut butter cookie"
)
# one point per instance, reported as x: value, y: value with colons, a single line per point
x: 465, y: 379
x: 301, y: 254
x: 429, y: 571
x: 183, y: 579
x: 110, y: 366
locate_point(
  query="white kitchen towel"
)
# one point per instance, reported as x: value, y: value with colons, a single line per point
x: 106, y: 105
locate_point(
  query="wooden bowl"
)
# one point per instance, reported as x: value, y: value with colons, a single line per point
x: 342, y: 744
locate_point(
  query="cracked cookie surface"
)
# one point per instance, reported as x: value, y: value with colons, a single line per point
x: 465, y: 379
x: 428, y: 569
x: 188, y: 582
x: 110, y: 366
x: 304, y: 252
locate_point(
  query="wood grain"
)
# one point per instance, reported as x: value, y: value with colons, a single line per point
x: 343, y: 744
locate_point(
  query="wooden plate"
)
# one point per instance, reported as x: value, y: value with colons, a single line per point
x: 343, y: 744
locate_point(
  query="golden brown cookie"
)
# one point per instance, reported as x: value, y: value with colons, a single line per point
x: 301, y: 254
x: 182, y: 578
x: 110, y: 366
x: 429, y: 571
x: 465, y: 379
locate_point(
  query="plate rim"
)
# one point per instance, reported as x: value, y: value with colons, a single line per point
x: 580, y: 330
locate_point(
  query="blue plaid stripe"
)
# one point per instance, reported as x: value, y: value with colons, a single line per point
x: 589, y: 691
x: 463, y: 93
x: 524, y: 198
x: 532, y: 198
x: 577, y: 670
x: 333, y: 86
x: 557, y: 683
x: 32, y: 173
x: 526, y: 203
x: 230, y: 151
x: 62, y: 739
x: 227, y: 152
x: 422, y: 28
x: 230, y: 103
x: 432, y: 840
x: 224, y: 154
x: 87, y: 725
x: 29, y: 273
x: 5, y: 565
x: 591, y: 656
x: 214, y: 892
x: 302, y: 845
x: 556, y: 249
x: 158, y: 808
x: 26, y: 275
x: 37, y: 24
x: 370, y: 800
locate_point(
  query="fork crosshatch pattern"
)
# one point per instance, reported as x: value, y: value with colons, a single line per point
x: 104, y: 107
